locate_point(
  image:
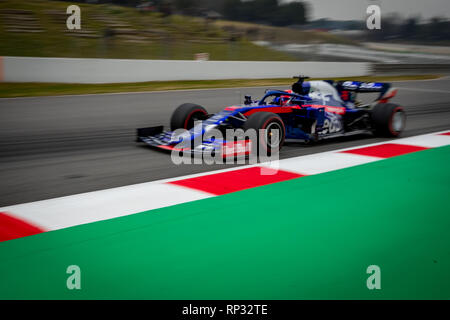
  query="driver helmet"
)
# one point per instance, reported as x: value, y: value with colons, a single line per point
x: 282, y: 100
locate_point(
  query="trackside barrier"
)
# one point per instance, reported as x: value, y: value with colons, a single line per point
x: 404, y: 68
x: 74, y: 70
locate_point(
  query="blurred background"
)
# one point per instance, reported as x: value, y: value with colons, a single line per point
x: 412, y: 30
x: 68, y: 128
x: 59, y: 137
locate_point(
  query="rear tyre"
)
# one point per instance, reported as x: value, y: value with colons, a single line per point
x: 185, y: 115
x: 267, y: 140
x: 388, y: 119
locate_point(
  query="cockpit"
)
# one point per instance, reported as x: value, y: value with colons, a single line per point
x: 281, y: 98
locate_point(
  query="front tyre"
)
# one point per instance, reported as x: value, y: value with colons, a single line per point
x: 388, y: 119
x: 267, y: 139
x: 185, y: 116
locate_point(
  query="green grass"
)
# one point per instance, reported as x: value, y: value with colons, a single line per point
x: 177, y: 37
x: 9, y: 90
x: 299, y: 239
x: 282, y: 35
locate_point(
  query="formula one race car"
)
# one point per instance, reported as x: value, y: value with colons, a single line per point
x: 311, y: 111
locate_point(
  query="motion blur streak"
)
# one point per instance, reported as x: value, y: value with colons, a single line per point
x: 57, y: 146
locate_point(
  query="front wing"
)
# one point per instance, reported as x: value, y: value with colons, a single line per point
x: 157, y: 138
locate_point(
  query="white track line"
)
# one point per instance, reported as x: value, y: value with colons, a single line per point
x: 323, y: 162
x: 94, y: 206
x: 106, y: 204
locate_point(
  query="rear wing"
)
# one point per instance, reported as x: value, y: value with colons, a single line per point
x: 385, y: 89
x: 363, y: 87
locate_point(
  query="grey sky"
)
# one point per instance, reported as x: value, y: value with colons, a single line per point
x: 356, y: 9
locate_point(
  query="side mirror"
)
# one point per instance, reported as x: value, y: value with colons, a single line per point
x: 247, y: 100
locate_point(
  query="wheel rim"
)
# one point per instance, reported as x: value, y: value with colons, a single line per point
x: 398, y: 121
x: 270, y: 135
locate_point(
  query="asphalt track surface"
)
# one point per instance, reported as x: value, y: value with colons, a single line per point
x: 63, y: 145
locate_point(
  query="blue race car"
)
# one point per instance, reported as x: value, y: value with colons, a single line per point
x: 311, y: 111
